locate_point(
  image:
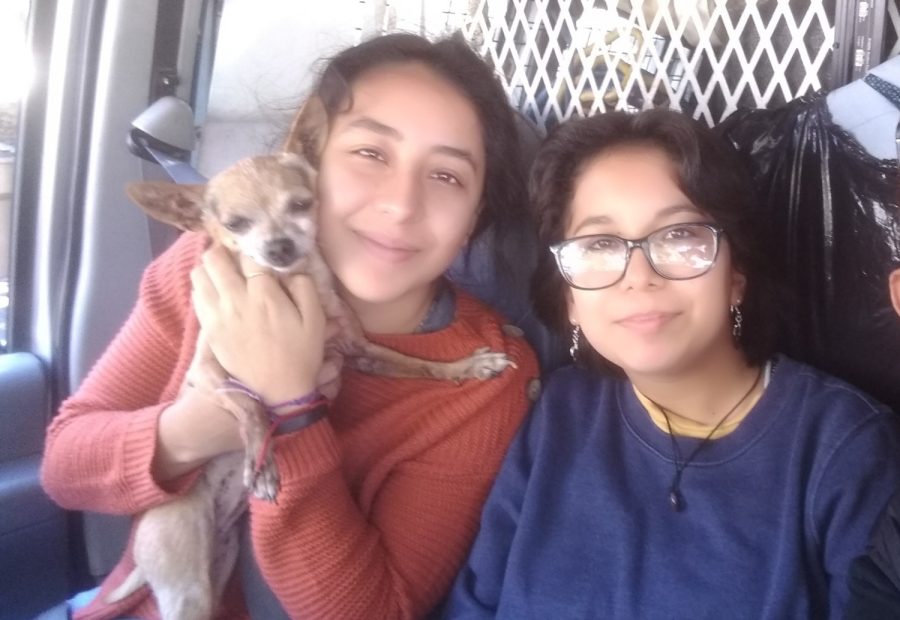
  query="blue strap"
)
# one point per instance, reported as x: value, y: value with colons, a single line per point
x: 889, y: 91
x: 180, y: 172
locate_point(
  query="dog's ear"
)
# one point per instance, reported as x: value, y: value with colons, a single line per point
x: 309, y: 131
x: 298, y: 162
x: 178, y: 205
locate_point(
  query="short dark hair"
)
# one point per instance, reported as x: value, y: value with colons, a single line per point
x: 709, y: 172
x: 504, y: 201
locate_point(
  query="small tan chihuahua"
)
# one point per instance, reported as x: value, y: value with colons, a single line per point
x: 264, y: 208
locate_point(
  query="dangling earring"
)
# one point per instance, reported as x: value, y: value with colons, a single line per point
x: 737, y: 321
x: 576, y: 336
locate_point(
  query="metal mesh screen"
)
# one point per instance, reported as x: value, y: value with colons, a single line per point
x: 559, y: 58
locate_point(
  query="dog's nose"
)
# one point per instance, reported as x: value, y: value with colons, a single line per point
x: 281, y: 252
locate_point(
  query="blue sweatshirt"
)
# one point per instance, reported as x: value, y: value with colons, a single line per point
x: 579, y: 524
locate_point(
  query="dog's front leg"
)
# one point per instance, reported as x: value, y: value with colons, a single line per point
x: 375, y: 359
x: 260, y: 471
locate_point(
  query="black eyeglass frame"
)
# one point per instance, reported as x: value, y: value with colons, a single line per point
x: 643, y: 244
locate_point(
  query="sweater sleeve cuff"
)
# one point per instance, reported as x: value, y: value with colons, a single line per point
x: 308, y: 452
x: 139, y: 448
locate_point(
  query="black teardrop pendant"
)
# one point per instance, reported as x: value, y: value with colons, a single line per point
x: 675, y: 499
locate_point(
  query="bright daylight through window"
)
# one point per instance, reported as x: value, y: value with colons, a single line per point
x: 15, y: 77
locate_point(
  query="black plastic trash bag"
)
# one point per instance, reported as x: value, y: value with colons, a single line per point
x: 837, y: 228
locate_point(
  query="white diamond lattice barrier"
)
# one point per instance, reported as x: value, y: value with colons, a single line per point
x: 559, y: 58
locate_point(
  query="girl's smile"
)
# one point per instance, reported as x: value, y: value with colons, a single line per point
x: 646, y: 322
x: 386, y: 249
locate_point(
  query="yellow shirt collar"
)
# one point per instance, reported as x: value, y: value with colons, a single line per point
x: 686, y: 427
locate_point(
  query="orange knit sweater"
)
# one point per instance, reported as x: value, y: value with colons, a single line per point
x: 379, y: 502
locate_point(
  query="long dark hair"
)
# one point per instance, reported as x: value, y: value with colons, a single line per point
x: 708, y: 171
x: 504, y: 201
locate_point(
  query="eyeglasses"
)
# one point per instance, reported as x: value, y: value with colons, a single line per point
x: 676, y: 252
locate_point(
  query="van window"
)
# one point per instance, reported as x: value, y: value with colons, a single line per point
x: 15, y: 76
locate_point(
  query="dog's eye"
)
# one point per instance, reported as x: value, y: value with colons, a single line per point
x: 296, y: 207
x: 237, y: 224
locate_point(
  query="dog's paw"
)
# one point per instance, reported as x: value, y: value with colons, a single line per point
x: 368, y: 365
x: 263, y: 482
x: 485, y: 364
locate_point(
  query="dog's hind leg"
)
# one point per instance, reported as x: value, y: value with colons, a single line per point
x: 194, y: 601
x: 190, y: 585
x: 134, y: 581
x: 173, y: 548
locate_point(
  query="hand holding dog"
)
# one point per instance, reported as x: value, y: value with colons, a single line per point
x: 268, y: 335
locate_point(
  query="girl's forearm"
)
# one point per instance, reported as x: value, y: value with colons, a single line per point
x: 192, y: 431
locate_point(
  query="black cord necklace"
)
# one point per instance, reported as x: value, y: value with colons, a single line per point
x: 676, y: 499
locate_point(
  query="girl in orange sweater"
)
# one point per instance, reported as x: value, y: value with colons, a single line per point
x: 380, y: 499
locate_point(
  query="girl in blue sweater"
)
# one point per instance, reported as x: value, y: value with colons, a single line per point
x: 704, y: 477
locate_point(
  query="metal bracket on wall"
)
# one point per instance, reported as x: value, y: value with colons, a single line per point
x: 859, y: 38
